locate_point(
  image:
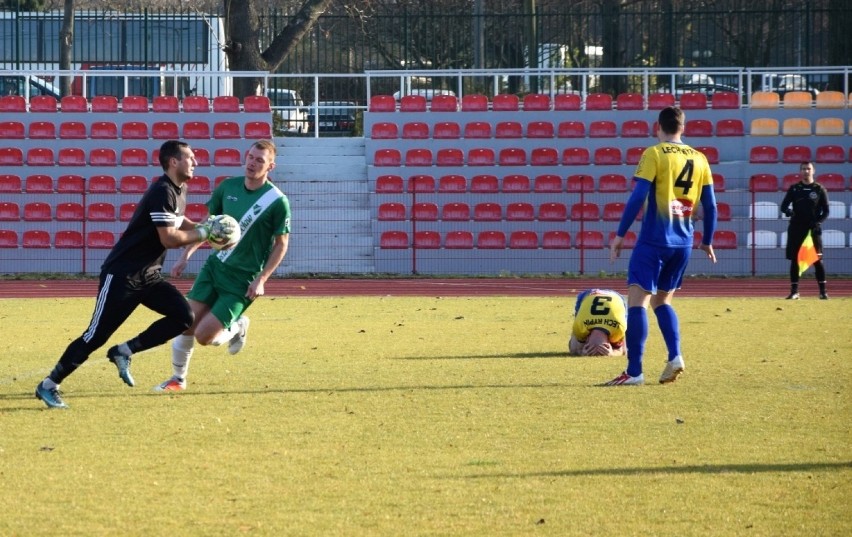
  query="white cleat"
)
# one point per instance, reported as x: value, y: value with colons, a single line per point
x: 239, y: 340
x: 672, y: 371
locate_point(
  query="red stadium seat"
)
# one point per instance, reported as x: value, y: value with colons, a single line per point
x: 556, y: 240
x: 415, y: 130
x: 629, y: 240
x: 723, y: 212
x: 196, y: 103
x: 70, y: 212
x: 11, y: 156
x: 516, y: 183
x: 134, y: 130
x: 763, y: 154
x: 8, y: 238
x: 43, y: 103
x: 830, y: 154
x: 567, y: 101
x: 455, y: 212
x: 491, y: 240
x: 412, y: 103
x: 693, y: 101
x: 12, y: 130
x: 227, y: 157
x: 421, y: 184
x: 226, y: 104
x: 102, y: 184
x: 724, y: 240
x: 104, y: 103
x: 258, y: 103
x: 37, y: 184
x: 70, y: 184
x: 536, y: 102
x: 763, y: 182
x: 607, y: 156
x: 484, y: 184
x: 602, y: 129
x: 10, y: 184
x: 258, y: 130
x: 587, y: 212
x: 789, y: 180
x: 131, y: 156
x: 134, y: 103
x: 635, y: 128
x: 458, y: 240
x: 391, y: 211
x: 710, y: 152
x: 477, y: 129
x: 40, y: 156
x: 833, y: 182
x: 12, y: 103
x: 552, y: 212
x: 418, y: 157
x: 509, y: 129
x: 590, y: 240
x: 474, y: 102
x: 630, y: 101
x: 724, y: 100
x: 698, y: 127
x: 512, y: 156
x: 505, y: 102
x: 658, y: 101
x: 599, y: 101
x: 730, y: 127
x: 126, y: 210
x: 452, y: 183
x: 41, y: 130
x: 480, y: 156
x: 382, y: 103
x: 547, y: 183
x: 571, y: 129
x: 424, y: 212
x: 226, y: 130
x: 444, y: 103
x: 196, y: 130
x: 165, y: 130
x: 612, y: 182
x: 103, y: 130
x: 634, y: 154
x: 72, y: 130
x: 137, y: 184
x: 199, y: 184
x: 393, y: 240
x: 387, y: 157
x: 718, y: 182
x: 446, y: 130
x: 74, y: 103
x: 196, y: 212
x: 487, y: 212
x: 580, y: 183
x: 540, y: 129
x: 36, y: 238
x: 575, y: 156
x: 100, y: 212
x: 427, y: 240
x: 67, y: 238
x: 523, y: 240
x: 612, y: 211
x: 389, y: 184
x: 9, y: 211
x: 166, y: 104
x: 202, y: 156
x: 100, y: 239
x: 795, y: 154
x: 37, y: 211
x: 520, y: 211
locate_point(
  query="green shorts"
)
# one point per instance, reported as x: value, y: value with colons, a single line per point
x: 223, y: 290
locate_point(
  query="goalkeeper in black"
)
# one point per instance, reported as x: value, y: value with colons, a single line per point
x: 131, y: 276
x: 806, y: 203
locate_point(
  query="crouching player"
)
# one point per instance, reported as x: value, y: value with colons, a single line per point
x: 600, y: 320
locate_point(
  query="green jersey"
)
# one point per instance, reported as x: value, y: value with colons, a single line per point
x: 263, y: 214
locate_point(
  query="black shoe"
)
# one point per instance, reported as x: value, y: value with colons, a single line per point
x: 794, y: 296
x: 823, y: 296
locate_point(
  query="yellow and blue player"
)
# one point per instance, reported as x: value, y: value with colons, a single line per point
x: 600, y: 319
x: 671, y: 178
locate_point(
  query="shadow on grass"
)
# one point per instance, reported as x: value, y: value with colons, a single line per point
x: 673, y: 470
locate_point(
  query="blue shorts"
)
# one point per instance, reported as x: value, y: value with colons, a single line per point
x: 657, y: 267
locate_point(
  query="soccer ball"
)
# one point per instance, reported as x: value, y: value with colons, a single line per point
x: 230, y: 240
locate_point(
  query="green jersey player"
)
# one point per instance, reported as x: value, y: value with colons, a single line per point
x: 232, y: 279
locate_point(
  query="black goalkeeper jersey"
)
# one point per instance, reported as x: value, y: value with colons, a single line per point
x: 139, y: 254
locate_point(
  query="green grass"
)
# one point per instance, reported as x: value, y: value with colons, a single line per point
x: 435, y: 416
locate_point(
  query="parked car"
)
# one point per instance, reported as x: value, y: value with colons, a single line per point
x: 428, y: 93
x: 289, y: 110
x: 334, y: 117
x: 781, y: 84
x: 707, y: 88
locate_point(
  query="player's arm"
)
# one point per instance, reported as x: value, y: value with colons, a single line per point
x: 822, y: 207
x: 786, y: 203
x: 637, y: 198
x: 708, y: 203
x: 173, y: 237
x: 276, y: 256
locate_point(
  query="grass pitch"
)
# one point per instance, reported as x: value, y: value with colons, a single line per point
x: 435, y: 416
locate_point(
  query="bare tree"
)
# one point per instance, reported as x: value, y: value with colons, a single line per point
x: 66, y: 44
x: 242, y: 28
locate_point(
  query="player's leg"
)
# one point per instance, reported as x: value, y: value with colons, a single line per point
x: 794, y: 280
x: 671, y: 278
x: 795, y: 237
x: 183, y: 346
x: 819, y: 268
x: 225, y: 323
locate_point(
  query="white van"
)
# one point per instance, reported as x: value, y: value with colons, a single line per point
x: 287, y: 105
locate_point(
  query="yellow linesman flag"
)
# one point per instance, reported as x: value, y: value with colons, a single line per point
x: 807, y: 254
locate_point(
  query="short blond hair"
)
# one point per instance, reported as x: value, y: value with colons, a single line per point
x: 266, y: 145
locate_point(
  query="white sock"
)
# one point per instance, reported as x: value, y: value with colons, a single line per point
x: 49, y: 384
x: 124, y: 349
x: 226, y: 334
x: 182, y: 347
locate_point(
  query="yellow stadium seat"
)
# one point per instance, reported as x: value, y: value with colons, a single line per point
x: 797, y: 99
x: 796, y: 126
x: 831, y: 99
x: 765, y: 99
x: 764, y: 126
x: 829, y: 126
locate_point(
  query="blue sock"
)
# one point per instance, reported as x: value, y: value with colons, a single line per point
x: 637, y: 333
x: 669, y: 326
